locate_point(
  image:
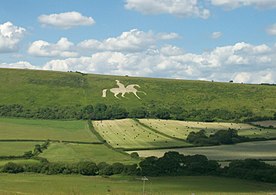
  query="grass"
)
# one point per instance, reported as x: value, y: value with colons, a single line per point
x: 127, y: 134
x: 181, y: 129
x: 16, y: 148
x: 35, y: 88
x: 74, y: 184
x: 45, y: 129
x: 60, y: 152
x: 257, y: 150
x: 18, y: 161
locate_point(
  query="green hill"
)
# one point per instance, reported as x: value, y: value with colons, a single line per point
x: 35, y: 89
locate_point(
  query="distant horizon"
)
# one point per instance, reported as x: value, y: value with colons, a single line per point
x: 188, y: 40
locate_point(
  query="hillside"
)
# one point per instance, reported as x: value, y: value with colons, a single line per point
x: 36, y: 89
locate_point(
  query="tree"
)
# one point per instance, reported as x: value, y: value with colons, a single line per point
x: 87, y: 168
x: 11, y: 167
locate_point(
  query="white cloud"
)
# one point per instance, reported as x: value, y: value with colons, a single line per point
x: 242, y: 62
x: 66, y: 20
x: 216, y: 35
x: 19, y: 65
x: 10, y: 36
x: 271, y: 30
x: 232, y: 4
x: 181, y: 8
x: 130, y: 41
x: 63, y: 48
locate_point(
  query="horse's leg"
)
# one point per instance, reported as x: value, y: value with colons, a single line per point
x: 136, y: 95
x: 142, y: 92
x: 123, y: 94
x: 115, y: 95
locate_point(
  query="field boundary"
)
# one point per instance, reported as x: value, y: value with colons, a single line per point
x: 61, y: 141
x: 156, y: 131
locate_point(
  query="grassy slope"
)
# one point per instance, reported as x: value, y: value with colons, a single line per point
x: 19, y: 161
x: 127, y: 134
x: 56, y: 88
x: 181, y: 129
x: 59, y: 184
x: 16, y: 148
x: 58, y: 152
x: 45, y: 129
x: 258, y: 150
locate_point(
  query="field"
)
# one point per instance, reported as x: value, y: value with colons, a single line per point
x: 59, y: 184
x: 23, y: 129
x: 60, y: 152
x: 16, y: 148
x: 181, y: 129
x: 258, y: 150
x: 33, y: 89
x: 270, y: 123
x: 18, y: 161
x: 128, y: 134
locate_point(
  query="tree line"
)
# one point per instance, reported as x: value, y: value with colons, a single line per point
x: 102, y: 111
x: 171, y: 164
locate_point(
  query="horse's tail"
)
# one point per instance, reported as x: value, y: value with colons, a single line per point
x: 104, y: 93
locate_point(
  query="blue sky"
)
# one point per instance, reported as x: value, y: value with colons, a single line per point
x: 183, y: 39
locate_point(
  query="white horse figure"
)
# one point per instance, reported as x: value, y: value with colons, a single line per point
x: 123, y: 90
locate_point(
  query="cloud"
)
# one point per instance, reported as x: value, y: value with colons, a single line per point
x: 130, y: 41
x: 242, y: 62
x: 19, y: 65
x: 66, y: 20
x: 216, y: 35
x: 232, y: 4
x: 63, y: 48
x: 10, y: 36
x: 271, y: 30
x: 183, y: 8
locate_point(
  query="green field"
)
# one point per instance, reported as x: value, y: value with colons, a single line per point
x: 16, y: 148
x: 18, y: 161
x: 34, y: 88
x: 128, y: 134
x: 181, y: 129
x: 60, y: 152
x: 257, y: 150
x: 74, y: 184
x: 45, y: 129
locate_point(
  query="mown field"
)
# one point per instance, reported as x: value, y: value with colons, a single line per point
x: 73, y: 184
x: 29, y: 129
x: 269, y: 123
x: 16, y: 148
x: 181, y: 129
x: 257, y: 150
x: 34, y: 88
x: 128, y: 134
x: 73, y: 153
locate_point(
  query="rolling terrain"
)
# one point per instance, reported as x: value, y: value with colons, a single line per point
x: 35, y: 89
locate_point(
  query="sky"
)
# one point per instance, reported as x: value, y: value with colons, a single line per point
x: 218, y: 40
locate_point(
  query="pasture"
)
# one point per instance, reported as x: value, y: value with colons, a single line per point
x: 257, y: 150
x: 16, y: 148
x: 128, y: 134
x: 19, y: 161
x: 71, y: 153
x: 75, y: 184
x: 181, y: 129
x: 22, y: 129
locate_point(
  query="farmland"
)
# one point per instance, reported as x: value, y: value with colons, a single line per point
x: 16, y: 148
x: 181, y: 129
x: 27, y: 129
x: 59, y: 184
x: 73, y: 153
x: 128, y: 134
x: 258, y: 150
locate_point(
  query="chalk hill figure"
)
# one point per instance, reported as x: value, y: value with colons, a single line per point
x: 123, y: 90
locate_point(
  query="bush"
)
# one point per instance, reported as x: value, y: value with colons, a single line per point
x: 87, y: 168
x: 11, y: 167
